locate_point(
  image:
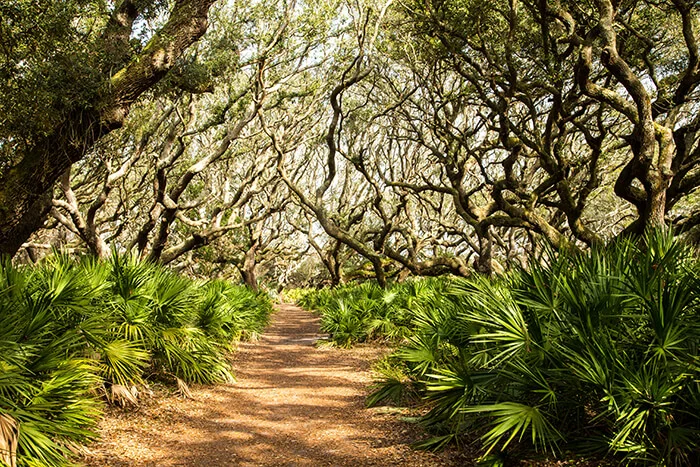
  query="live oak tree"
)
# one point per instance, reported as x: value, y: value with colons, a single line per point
x: 174, y: 178
x: 70, y: 73
x: 570, y: 87
x: 290, y: 132
x: 389, y: 139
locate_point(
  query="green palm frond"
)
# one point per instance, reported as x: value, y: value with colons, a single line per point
x: 511, y: 420
x: 71, y: 330
x: 594, y: 350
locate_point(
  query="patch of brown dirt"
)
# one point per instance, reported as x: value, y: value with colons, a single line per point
x: 293, y: 405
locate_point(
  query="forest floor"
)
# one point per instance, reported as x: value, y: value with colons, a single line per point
x: 293, y: 404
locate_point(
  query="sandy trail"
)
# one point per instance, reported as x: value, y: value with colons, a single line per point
x: 293, y: 405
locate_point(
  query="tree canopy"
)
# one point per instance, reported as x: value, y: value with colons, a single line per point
x: 330, y: 140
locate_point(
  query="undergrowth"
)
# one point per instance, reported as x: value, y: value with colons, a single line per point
x: 591, y: 352
x: 74, y: 334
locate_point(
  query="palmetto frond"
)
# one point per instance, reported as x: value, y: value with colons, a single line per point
x: 595, y: 348
x: 72, y: 330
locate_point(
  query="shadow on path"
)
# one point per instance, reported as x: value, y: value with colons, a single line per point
x: 293, y: 405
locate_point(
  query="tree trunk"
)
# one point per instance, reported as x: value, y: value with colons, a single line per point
x: 333, y: 267
x: 26, y: 188
x: 379, y: 272
x: 17, y: 223
x: 249, y: 278
x: 655, y: 214
x: 249, y: 265
x: 484, y: 263
x: 336, y: 275
x: 25, y: 185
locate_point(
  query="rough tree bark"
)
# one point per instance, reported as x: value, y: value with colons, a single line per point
x: 249, y: 264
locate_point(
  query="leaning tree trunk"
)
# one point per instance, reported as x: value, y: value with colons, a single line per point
x: 25, y: 186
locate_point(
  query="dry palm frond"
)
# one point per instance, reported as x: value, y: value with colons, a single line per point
x: 184, y: 389
x: 122, y: 395
x: 146, y: 390
x: 77, y: 449
x: 253, y: 336
x: 9, y: 433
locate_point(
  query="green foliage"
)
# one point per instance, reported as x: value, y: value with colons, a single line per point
x: 46, y: 66
x: 352, y: 314
x: 73, y: 333
x: 396, y: 385
x: 592, y: 352
x: 296, y: 295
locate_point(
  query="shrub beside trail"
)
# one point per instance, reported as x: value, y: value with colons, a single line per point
x: 74, y: 334
x: 594, y: 353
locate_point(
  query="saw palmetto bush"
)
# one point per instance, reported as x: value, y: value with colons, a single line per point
x: 358, y: 313
x: 185, y: 326
x: 47, y: 386
x: 76, y: 333
x: 593, y: 352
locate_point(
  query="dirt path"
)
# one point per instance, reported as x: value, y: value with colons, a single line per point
x: 293, y: 405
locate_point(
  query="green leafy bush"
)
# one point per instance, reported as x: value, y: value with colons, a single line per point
x: 590, y: 352
x: 358, y: 313
x: 74, y: 333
